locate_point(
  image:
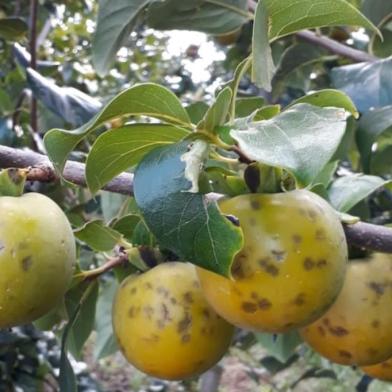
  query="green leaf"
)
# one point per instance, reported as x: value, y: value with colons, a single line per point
x: 263, y: 67
x: 97, y: 236
x: 369, y: 85
x: 115, y: 22
x: 13, y: 29
x: 382, y: 161
x: 347, y: 191
x: 12, y: 182
x: 126, y: 225
x: 372, y: 126
x: 146, y: 99
x: 329, y: 98
x: 212, y: 17
x: 196, y: 111
x: 290, y: 16
x: 121, y: 148
x: 186, y: 223
x: 325, y: 177
x: 267, y: 112
x: 281, y: 346
x: 246, y: 106
x: 216, y: 115
x: 84, y: 322
x: 105, y: 343
x: 302, y: 140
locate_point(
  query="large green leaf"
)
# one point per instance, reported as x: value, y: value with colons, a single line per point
x: 146, y: 99
x: 121, y: 148
x: 13, y: 29
x: 212, y: 17
x: 329, y: 98
x: 347, y: 191
x: 369, y: 85
x: 115, y: 22
x: 184, y: 222
x: 372, y: 125
x: 302, y: 139
x: 289, y: 16
x: 97, y: 236
x: 263, y: 67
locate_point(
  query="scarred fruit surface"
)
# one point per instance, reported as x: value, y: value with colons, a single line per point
x: 165, y: 327
x: 291, y: 267
x: 37, y: 253
x: 356, y: 330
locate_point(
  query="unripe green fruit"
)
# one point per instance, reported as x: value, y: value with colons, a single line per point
x: 37, y: 253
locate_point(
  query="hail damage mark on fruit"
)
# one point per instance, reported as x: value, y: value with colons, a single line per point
x: 338, y: 330
x: 372, y: 351
x: 131, y: 312
x: 279, y: 255
x: 299, y: 300
x: 26, y: 263
x: 163, y: 291
x: 133, y: 290
x: 185, y: 338
x: 185, y: 323
x: 148, y: 310
x: 308, y: 264
x: 268, y: 267
x: 188, y: 297
x: 375, y: 323
x: 345, y: 354
x: 249, y: 307
x: 148, y: 286
x: 377, y: 287
x: 297, y: 239
x: 255, y: 204
x: 321, y: 330
x: 264, y: 304
x: 320, y: 235
x: 321, y: 263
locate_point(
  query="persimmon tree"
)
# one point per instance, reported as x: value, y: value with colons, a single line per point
x: 296, y: 136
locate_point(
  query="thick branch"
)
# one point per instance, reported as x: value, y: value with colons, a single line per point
x: 365, y: 235
x: 327, y: 43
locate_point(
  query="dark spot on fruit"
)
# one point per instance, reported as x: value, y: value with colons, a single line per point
x: 211, y: 330
x: 133, y: 290
x: 302, y: 211
x: 148, y: 286
x: 195, y: 284
x: 188, y: 297
x: 254, y: 295
x: 372, y: 351
x: 345, y: 354
x: 321, y: 330
x: 131, y: 312
x: 27, y: 263
x: 375, y: 323
x: 326, y: 321
x: 206, y: 313
x: 148, y: 311
x: 320, y: 235
x: 312, y: 214
x: 386, y: 365
x: 153, y: 338
x: 165, y: 312
x: 199, y: 364
x: 308, y: 264
x: 279, y: 255
x: 299, y: 300
x: 184, y: 324
x: 264, y: 304
x: 185, y: 338
x: 249, y: 307
x: 255, y: 204
x: 233, y: 219
x: 297, y: 239
x: 268, y: 267
x: 338, y: 331
x: 378, y: 288
x: 163, y: 291
x: 173, y: 301
x: 321, y: 263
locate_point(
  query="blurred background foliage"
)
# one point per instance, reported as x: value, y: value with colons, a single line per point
x: 87, y: 52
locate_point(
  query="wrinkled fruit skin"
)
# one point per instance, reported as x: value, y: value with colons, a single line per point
x: 37, y: 253
x: 382, y: 371
x: 165, y: 327
x: 291, y: 267
x: 356, y: 330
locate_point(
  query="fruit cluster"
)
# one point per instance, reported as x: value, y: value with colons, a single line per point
x: 177, y: 320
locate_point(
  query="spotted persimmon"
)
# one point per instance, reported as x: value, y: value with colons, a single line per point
x: 291, y: 267
x: 37, y: 253
x: 164, y: 325
x: 356, y: 330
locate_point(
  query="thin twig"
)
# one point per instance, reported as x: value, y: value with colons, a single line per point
x: 111, y: 263
x: 33, y: 61
x: 365, y: 235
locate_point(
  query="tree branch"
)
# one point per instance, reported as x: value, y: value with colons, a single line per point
x: 328, y: 43
x: 361, y: 234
